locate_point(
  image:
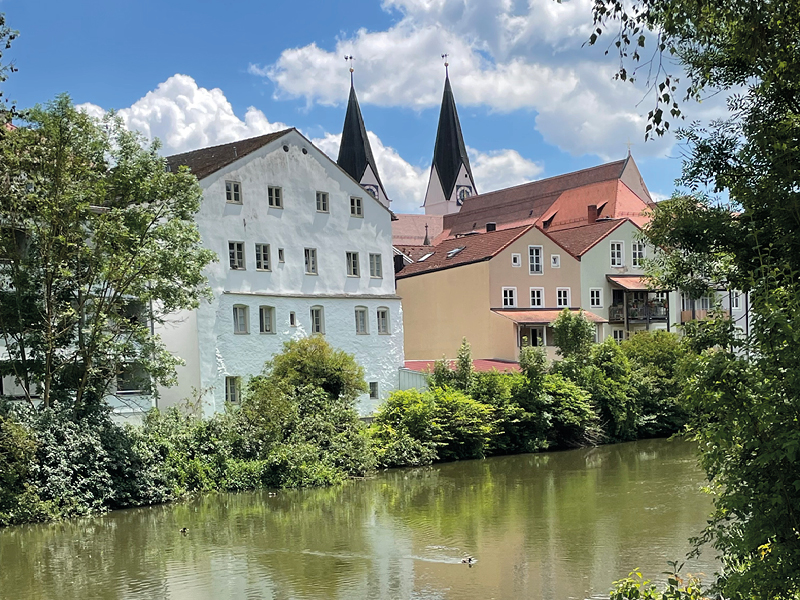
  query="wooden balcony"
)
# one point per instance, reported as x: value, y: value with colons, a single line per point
x: 699, y: 314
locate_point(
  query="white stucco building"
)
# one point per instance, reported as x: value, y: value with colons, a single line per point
x: 303, y: 249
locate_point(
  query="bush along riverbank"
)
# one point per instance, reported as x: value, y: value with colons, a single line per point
x: 297, y: 425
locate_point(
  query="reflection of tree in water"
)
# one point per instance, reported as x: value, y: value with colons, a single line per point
x: 541, y: 525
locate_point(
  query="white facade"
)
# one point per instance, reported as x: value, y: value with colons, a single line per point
x: 435, y: 201
x: 300, y: 170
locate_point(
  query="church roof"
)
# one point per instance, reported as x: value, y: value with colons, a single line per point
x: 206, y: 161
x: 355, y: 152
x: 449, y: 152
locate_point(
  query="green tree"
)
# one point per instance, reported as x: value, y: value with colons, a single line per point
x: 464, y: 371
x: 745, y: 412
x: 98, y: 241
x: 7, y: 36
x: 573, y: 335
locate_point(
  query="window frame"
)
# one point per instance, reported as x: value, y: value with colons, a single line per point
x: 558, y: 299
x: 353, y: 264
x: 618, y: 335
x: 292, y: 319
x: 516, y: 259
x: 541, y: 297
x: 376, y: 266
x: 357, y: 207
x: 387, y: 320
x: 271, y: 310
x: 621, y: 254
x: 638, y: 254
x: 233, y: 192
x: 281, y: 255
x: 374, y: 395
x: 310, y: 255
x: 231, y: 259
x: 363, y: 313
x: 323, y: 202
x: 317, y: 328
x: 245, y: 310
x: 233, y: 389
x: 555, y: 261
x: 599, y: 298
x: 274, y: 200
x: 512, y: 296
x: 531, y: 249
x: 259, y: 249
x: 735, y: 300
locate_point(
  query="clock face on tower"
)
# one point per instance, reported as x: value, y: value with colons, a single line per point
x: 372, y: 190
x: 462, y: 193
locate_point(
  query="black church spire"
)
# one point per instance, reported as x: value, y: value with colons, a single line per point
x: 449, y: 152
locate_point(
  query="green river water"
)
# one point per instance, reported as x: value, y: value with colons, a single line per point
x: 542, y: 526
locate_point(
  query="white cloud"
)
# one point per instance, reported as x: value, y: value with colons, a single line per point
x: 501, y: 169
x: 186, y: 116
x: 505, y: 54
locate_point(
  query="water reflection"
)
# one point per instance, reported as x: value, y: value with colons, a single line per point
x: 560, y: 525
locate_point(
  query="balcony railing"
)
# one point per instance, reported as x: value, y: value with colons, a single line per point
x: 699, y: 314
x: 639, y: 311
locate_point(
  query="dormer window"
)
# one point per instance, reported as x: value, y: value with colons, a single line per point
x: 233, y: 192
x: 426, y: 257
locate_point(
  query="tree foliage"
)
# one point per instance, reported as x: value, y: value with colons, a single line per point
x: 7, y: 36
x: 98, y: 241
x: 573, y: 335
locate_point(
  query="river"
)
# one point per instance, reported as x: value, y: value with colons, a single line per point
x: 545, y: 526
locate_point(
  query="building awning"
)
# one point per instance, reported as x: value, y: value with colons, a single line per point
x: 542, y: 317
x: 631, y: 283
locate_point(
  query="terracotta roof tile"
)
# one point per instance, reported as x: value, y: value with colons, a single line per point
x: 577, y: 240
x: 206, y: 161
x: 539, y: 316
x: 409, y: 230
x: 464, y: 250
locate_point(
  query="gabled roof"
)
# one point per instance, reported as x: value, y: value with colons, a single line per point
x: 463, y: 250
x: 449, y: 152
x: 355, y: 152
x: 564, y: 198
x: 578, y: 240
x: 206, y: 161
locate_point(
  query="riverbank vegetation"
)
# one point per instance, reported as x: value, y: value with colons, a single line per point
x: 297, y: 426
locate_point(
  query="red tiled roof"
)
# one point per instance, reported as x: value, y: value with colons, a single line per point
x: 577, y: 240
x: 481, y: 365
x: 415, y: 252
x: 542, y: 315
x: 474, y: 248
x: 409, y: 230
x: 206, y: 161
x: 527, y: 202
x: 632, y: 283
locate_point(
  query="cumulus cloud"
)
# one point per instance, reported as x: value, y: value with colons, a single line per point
x: 186, y: 116
x: 505, y: 55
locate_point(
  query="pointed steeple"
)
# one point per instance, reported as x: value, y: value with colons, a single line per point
x: 355, y: 153
x: 450, y: 168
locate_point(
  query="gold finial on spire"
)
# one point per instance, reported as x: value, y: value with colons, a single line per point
x: 349, y: 58
x: 446, y: 64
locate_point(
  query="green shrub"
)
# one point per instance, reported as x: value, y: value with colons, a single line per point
x: 608, y: 384
x: 573, y: 420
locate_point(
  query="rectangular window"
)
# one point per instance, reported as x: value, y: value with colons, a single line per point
x: 275, y: 197
x: 317, y: 320
x: 596, y: 298
x: 509, y: 297
x: 233, y: 192
x: 562, y: 297
x: 708, y: 301
x: 262, y: 257
x: 240, y: 318
x: 356, y: 209
x: 516, y: 260
x: 311, y: 261
x: 383, y: 321
x: 132, y: 378
x: 735, y: 300
x: 537, y: 297
x: 555, y: 261
x: 292, y: 319
x: 373, y: 390
x: 637, y: 254
x: 266, y: 319
x: 236, y: 255
x: 361, y: 320
x: 233, y: 390
x: 619, y: 335
x: 280, y: 255
x: 535, y: 266
x: 322, y: 202
x: 375, y: 266
x: 352, y: 264
x: 616, y: 254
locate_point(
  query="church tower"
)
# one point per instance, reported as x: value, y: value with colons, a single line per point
x: 451, y: 176
x: 355, y: 153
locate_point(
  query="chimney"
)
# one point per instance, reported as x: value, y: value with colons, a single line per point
x: 592, y: 213
x: 491, y: 227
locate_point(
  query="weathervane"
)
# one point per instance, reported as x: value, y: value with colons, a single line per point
x: 349, y: 58
x: 446, y: 64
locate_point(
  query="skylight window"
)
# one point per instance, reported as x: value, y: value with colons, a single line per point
x: 455, y: 251
x: 427, y: 256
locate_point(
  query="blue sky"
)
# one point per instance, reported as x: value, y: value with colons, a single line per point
x: 532, y: 101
